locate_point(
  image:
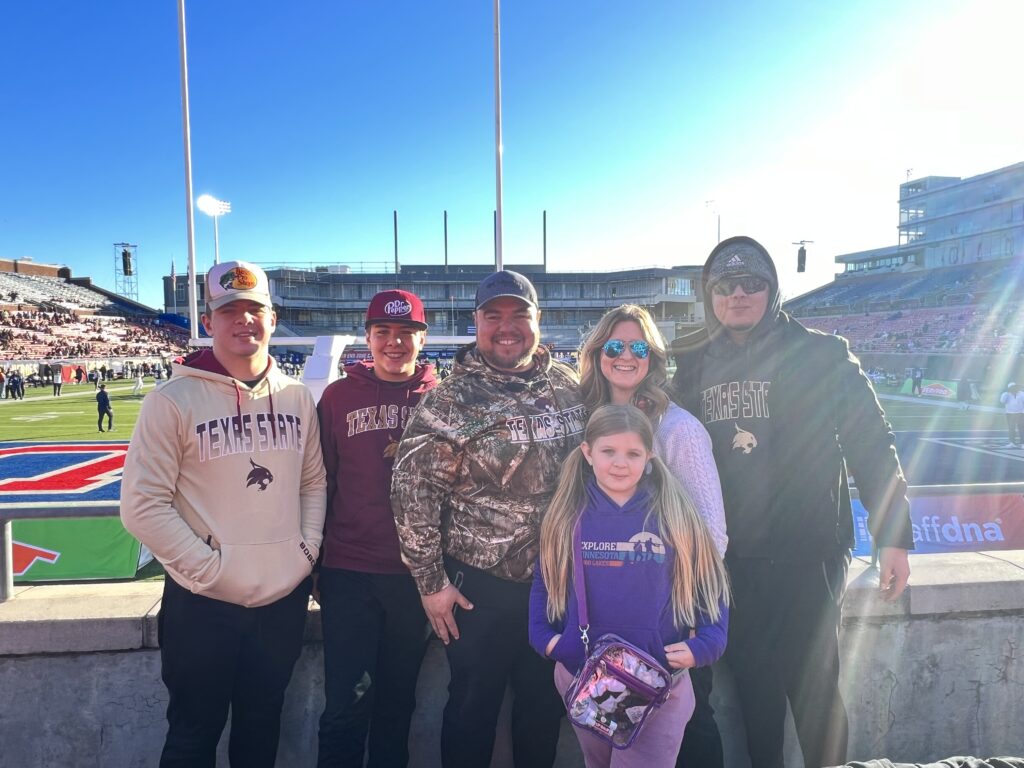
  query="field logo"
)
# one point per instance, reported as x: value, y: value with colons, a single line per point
x: 26, y: 555
x: 60, y: 471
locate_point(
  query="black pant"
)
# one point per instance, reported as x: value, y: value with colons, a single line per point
x: 215, y: 655
x: 109, y: 413
x: 375, y: 635
x: 492, y: 651
x: 784, y: 643
x: 702, y: 742
x: 56, y: 387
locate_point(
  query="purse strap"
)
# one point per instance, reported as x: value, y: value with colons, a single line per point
x: 579, y: 584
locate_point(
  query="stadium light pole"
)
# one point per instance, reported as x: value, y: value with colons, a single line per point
x: 498, y: 259
x: 193, y: 298
x: 211, y: 206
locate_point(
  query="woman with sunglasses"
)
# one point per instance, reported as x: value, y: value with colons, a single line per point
x: 623, y: 361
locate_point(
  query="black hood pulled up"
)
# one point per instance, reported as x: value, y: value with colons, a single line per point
x: 724, y: 249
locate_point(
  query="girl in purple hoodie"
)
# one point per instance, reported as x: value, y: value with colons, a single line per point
x: 653, y: 575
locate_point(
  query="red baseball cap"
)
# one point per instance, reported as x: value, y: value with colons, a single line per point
x: 396, y: 306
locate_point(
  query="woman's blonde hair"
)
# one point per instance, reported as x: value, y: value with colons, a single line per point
x: 650, y: 396
x: 699, y: 580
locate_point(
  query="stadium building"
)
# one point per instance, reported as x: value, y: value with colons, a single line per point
x: 947, y: 296
x: 947, y: 221
x: 333, y: 299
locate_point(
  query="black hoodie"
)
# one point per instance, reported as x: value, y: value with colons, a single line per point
x: 787, y: 412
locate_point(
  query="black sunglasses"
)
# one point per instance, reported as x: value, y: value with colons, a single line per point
x: 727, y: 285
x: 615, y: 347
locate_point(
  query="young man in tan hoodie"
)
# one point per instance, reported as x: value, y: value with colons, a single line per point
x: 224, y: 482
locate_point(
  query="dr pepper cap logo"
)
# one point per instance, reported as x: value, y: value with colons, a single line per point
x: 396, y: 306
x: 506, y: 283
x: 235, y: 280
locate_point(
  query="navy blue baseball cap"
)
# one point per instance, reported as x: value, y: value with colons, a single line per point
x: 506, y: 283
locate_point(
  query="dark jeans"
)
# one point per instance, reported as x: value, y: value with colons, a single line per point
x: 375, y: 635
x: 109, y: 413
x: 702, y: 742
x: 784, y: 644
x: 215, y: 655
x: 492, y: 651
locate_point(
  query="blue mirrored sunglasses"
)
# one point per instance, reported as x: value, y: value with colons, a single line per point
x: 615, y: 347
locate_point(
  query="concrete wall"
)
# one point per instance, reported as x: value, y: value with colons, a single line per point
x: 938, y: 674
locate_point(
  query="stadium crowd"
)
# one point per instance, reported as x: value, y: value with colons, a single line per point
x: 40, y: 335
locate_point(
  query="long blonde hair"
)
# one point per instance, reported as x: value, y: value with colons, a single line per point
x: 650, y: 396
x: 699, y: 579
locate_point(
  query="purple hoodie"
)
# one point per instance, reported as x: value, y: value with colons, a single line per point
x: 361, y: 421
x: 628, y: 570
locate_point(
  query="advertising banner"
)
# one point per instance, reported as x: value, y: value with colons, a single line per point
x: 956, y: 523
x: 945, y: 390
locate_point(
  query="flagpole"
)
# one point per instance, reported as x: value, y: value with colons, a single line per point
x: 174, y: 289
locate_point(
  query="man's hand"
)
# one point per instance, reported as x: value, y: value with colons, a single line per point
x: 893, y: 572
x: 438, y: 608
x: 680, y: 656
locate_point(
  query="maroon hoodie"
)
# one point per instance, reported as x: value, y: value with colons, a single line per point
x: 361, y: 421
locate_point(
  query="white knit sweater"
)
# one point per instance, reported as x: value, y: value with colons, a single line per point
x: 685, y: 446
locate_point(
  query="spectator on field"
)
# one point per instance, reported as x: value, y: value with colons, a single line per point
x: 916, y: 378
x: 139, y: 381
x: 104, y: 409
x: 372, y: 617
x: 1013, y: 405
x: 475, y: 470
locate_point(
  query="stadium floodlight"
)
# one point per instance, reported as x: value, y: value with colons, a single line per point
x: 211, y: 206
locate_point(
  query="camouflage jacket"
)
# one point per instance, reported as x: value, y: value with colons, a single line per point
x: 477, y: 465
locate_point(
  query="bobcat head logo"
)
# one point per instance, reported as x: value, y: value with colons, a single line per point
x: 391, y: 450
x: 743, y: 440
x: 260, y: 476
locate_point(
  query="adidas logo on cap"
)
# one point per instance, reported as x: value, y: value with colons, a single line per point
x: 735, y: 261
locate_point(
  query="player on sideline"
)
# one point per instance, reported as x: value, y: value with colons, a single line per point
x: 224, y: 482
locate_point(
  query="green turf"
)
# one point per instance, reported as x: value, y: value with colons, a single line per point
x: 72, y: 416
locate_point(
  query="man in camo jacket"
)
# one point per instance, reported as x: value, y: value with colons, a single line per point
x: 475, y: 470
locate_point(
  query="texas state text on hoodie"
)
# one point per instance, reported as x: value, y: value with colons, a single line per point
x: 225, y: 483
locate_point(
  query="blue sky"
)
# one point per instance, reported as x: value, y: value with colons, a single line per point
x: 316, y: 119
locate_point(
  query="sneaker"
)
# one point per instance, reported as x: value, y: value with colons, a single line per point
x: 101, y: 430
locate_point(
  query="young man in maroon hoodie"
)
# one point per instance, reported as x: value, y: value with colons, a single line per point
x: 373, y: 622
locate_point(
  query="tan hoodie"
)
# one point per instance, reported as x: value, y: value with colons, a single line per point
x: 226, y: 484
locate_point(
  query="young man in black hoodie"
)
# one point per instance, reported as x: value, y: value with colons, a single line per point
x: 373, y: 622
x: 788, y: 410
